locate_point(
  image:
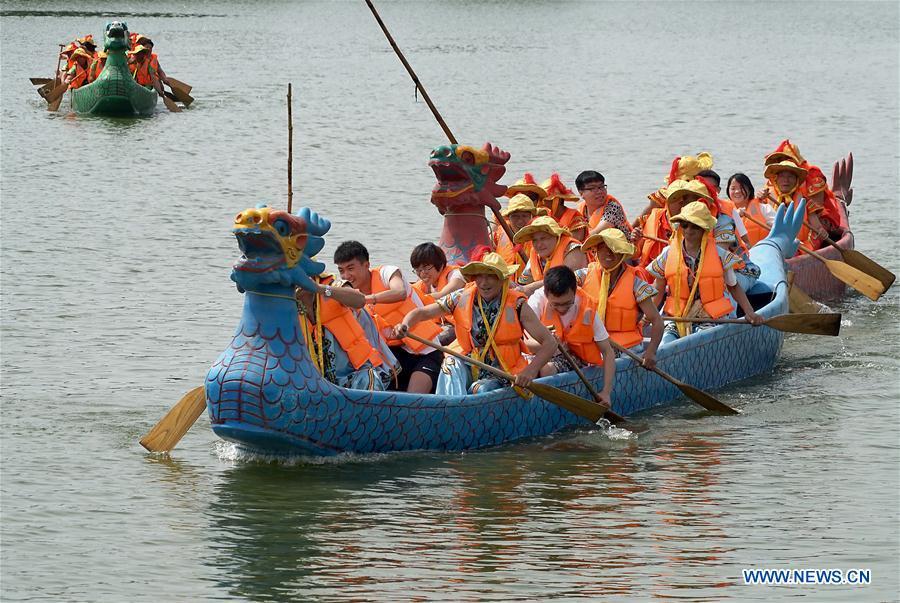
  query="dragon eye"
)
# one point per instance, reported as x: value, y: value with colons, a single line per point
x: 282, y: 227
x: 468, y: 157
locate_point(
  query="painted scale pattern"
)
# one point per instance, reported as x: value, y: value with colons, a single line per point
x: 264, y: 392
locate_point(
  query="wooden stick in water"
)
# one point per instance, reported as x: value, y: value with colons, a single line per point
x: 290, y: 159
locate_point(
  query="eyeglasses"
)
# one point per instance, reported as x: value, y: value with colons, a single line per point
x: 422, y: 270
x: 594, y: 189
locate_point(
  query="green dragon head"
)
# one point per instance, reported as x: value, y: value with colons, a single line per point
x: 116, y: 36
x: 467, y: 176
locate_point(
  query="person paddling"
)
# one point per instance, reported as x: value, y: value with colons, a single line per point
x: 573, y: 315
x: 77, y: 75
x: 154, y: 59
x: 552, y: 246
x: 436, y: 279
x: 388, y: 298
x: 598, y: 207
x: 557, y: 195
x: 332, y: 321
x: 740, y: 192
x: 142, y: 70
x: 520, y: 211
x: 622, y: 296
x: 491, y: 318
x: 695, y: 274
x: 97, y: 66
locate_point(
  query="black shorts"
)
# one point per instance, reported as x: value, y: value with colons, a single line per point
x: 430, y: 364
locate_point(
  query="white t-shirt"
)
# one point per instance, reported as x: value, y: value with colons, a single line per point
x: 538, y: 303
x: 738, y: 223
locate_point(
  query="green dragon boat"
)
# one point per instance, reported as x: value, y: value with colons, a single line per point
x: 114, y: 92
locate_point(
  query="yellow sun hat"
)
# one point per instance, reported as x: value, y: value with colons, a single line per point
x: 557, y: 190
x: 526, y: 184
x: 611, y: 237
x: 696, y: 212
x: 680, y: 188
x: 658, y: 197
x: 785, y: 150
x: 541, y: 224
x: 786, y: 165
x: 688, y: 166
x: 523, y: 202
x: 137, y: 49
x: 491, y: 263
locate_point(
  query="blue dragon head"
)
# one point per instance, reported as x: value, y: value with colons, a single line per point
x: 116, y: 36
x: 277, y: 248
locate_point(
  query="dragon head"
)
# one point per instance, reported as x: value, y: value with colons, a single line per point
x: 277, y: 247
x: 116, y: 36
x: 467, y: 176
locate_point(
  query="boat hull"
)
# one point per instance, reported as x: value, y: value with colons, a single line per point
x: 114, y: 93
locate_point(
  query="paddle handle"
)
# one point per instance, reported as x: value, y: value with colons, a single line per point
x: 613, y: 417
x: 652, y: 238
x: 640, y: 361
x: 412, y: 73
x: 509, y: 233
x: 463, y: 357
x: 718, y: 321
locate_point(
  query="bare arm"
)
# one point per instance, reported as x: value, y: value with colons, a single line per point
x: 547, y: 342
x: 575, y: 259
x: 660, y: 285
x: 396, y: 293
x: 452, y: 285
x: 530, y: 288
x: 651, y: 314
x: 415, y: 317
x: 741, y: 298
x: 609, y: 371
x: 346, y: 296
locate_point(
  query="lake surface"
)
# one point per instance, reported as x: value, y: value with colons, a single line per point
x: 116, y: 252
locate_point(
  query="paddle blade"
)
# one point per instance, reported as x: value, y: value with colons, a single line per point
x: 170, y: 105
x: 182, y: 96
x: 40, y: 81
x: 866, y: 264
x: 862, y: 282
x: 801, y: 303
x: 54, y: 98
x: 574, y: 404
x: 705, y: 400
x: 172, y: 427
x: 809, y: 324
x: 173, y: 84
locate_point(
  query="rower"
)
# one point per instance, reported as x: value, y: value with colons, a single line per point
x: 552, y: 246
x: 621, y: 295
x: 491, y: 318
x: 528, y: 187
x: 726, y: 207
x: 388, y: 298
x: 557, y: 195
x: 141, y: 68
x: 77, y: 75
x: 520, y: 211
x: 154, y: 60
x: 741, y: 194
x: 697, y: 274
x: 821, y: 207
x: 600, y: 209
x: 783, y: 185
x: 436, y: 279
x: 565, y: 307
x: 87, y: 42
x: 332, y: 321
x: 97, y: 66
x: 655, y: 224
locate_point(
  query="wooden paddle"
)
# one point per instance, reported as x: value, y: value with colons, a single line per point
x: 799, y: 301
x: 497, y: 215
x: 170, y: 104
x: 591, y: 411
x: 180, y: 95
x: 652, y: 238
x: 699, y: 396
x: 40, y: 81
x: 863, y: 263
x: 173, y: 84
x: 54, y: 98
x: 610, y: 415
x: 172, y: 427
x: 809, y: 324
x: 862, y: 282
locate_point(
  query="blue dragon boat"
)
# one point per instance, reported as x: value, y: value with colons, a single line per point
x: 265, y: 394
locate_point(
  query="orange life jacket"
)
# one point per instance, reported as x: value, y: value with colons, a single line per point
x: 507, y: 250
x: 80, y: 79
x: 622, y: 310
x: 154, y: 62
x: 96, y: 69
x: 557, y: 258
x: 656, y: 225
x: 756, y: 232
x: 579, y: 335
x: 570, y: 219
x: 427, y: 298
x: 711, y: 287
x: 508, y: 337
x: 340, y: 321
x: 595, y: 217
x: 392, y: 314
x: 142, y: 72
